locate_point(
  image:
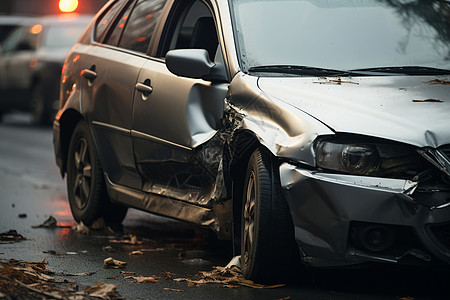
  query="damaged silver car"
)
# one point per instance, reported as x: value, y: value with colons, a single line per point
x: 311, y: 130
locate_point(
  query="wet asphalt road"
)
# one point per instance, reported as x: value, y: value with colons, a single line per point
x: 30, y: 184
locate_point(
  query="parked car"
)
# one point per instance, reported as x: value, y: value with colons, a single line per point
x: 311, y: 130
x: 9, y: 23
x: 31, y: 59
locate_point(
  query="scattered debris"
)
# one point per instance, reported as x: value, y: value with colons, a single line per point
x: 141, y: 279
x: 108, y: 248
x: 131, y: 240
x: 112, y: 277
x: 137, y: 252
x: 103, y: 291
x: 71, y: 253
x: 439, y: 81
x: 168, y: 275
x: 229, y: 276
x: 335, y: 80
x: 49, y: 223
x: 81, y: 228
x: 52, y: 252
x: 81, y: 274
x: 428, y: 100
x: 31, y: 280
x: 22, y: 216
x: 173, y: 290
x: 111, y: 263
x: 11, y: 237
x: 127, y: 273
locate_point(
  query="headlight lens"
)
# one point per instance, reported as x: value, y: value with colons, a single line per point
x: 358, y: 159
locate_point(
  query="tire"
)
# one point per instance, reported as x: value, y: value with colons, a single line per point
x: 267, y: 233
x: 85, y: 181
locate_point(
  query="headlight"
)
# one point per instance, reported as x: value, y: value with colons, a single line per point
x: 357, y: 159
x: 369, y: 157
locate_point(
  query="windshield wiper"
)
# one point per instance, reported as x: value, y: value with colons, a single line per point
x: 299, y: 70
x: 406, y: 70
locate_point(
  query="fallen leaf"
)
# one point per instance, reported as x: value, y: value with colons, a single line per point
x: 168, y: 275
x: 11, y: 237
x: 141, y: 279
x: 137, y: 252
x: 81, y: 228
x: 229, y: 277
x: 81, y: 274
x: 131, y: 241
x: 173, y: 290
x: 111, y: 263
x: 49, y: 223
x: 102, y: 290
x: 107, y: 248
x: 127, y: 272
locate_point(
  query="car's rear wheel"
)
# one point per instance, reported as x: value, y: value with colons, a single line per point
x: 267, y: 237
x: 85, y: 181
x: 38, y: 107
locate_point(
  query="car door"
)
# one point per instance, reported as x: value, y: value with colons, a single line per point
x: 110, y: 73
x: 16, y: 64
x: 175, y: 118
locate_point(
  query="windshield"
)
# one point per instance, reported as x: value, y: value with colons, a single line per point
x: 342, y: 34
x: 63, y: 35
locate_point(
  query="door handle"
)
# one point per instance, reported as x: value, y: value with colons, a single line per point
x: 144, y: 88
x: 89, y: 74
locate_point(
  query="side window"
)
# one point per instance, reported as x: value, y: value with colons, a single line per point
x: 141, y: 24
x: 195, y: 29
x: 104, y: 22
x: 116, y: 32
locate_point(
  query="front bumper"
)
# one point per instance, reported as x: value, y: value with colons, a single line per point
x: 325, y: 208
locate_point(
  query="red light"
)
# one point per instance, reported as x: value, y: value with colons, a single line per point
x: 68, y: 5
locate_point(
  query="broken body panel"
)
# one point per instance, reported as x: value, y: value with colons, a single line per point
x: 186, y: 171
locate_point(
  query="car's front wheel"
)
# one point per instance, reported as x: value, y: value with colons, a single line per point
x: 267, y: 237
x: 85, y: 181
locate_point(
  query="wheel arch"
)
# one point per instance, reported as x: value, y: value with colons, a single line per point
x: 68, y: 121
x: 241, y: 148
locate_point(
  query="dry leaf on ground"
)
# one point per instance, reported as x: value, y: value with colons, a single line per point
x: 81, y: 228
x: 111, y: 263
x: 103, y: 290
x: 141, y: 279
x: 49, y: 223
x: 137, y: 252
x: 131, y: 240
x: 11, y: 237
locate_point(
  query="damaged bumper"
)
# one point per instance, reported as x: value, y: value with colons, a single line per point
x: 344, y: 219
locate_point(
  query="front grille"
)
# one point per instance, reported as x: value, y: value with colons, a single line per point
x: 442, y: 234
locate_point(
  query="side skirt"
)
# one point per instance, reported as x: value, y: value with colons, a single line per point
x: 160, y: 205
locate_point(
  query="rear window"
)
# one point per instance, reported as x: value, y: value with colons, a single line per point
x: 63, y: 36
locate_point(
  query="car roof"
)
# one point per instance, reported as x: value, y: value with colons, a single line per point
x: 59, y: 19
x: 12, y: 19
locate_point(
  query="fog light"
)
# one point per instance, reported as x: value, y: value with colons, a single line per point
x: 376, y: 238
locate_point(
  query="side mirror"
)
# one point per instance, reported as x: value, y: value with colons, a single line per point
x: 193, y: 63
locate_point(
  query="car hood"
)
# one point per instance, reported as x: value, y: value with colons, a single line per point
x: 409, y: 109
